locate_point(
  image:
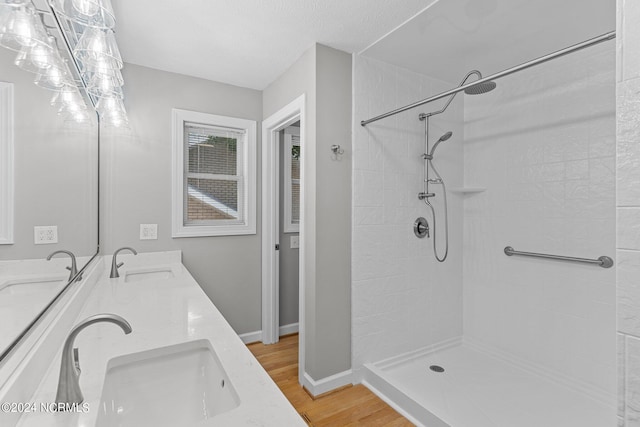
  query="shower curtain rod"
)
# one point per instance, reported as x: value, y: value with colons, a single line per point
x: 604, y: 37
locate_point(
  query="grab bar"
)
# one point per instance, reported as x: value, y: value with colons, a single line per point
x: 603, y: 261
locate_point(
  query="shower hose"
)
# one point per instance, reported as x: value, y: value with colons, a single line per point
x: 446, y: 215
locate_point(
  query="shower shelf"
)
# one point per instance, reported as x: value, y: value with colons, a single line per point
x: 468, y: 190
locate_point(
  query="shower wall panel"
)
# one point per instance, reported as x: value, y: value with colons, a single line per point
x: 402, y: 299
x: 543, y: 145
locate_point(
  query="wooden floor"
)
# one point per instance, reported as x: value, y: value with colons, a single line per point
x: 351, y: 406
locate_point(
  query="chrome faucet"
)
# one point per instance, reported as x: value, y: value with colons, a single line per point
x: 114, y: 264
x: 68, y: 384
x: 73, y: 269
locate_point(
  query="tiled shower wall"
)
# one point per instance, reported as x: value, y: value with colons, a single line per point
x: 543, y: 145
x: 402, y: 299
x: 628, y: 211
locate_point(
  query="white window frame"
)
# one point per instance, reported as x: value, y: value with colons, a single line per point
x: 289, y: 225
x: 246, y: 224
x: 6, y: 164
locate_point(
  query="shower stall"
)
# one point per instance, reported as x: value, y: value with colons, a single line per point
x: 453, y: 331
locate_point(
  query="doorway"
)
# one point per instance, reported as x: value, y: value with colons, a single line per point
x: 278, y: 132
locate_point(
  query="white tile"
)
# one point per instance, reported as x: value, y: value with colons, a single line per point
x: 619, y: 37
x: 628, y: 291
x: 631, y: 40
x: 628, y: 228
x: 628, y: 145
x: 622, y: 352
x: 632, y: 387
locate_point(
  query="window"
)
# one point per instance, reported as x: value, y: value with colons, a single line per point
x: 6, y: 163
x: 214, y: 175
x: 292, y: 157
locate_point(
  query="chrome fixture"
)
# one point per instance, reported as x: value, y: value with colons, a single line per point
x: 602, y: 38
x: 73, y: 269
x: 68, y: 383
x: 426, y: 194
x: 603, y: 261
x: 336, y: 149
x: 477, y: 89
x: 481, y: 86
x: 86, y: 30
x: 114, y: 264
x: 421, y: 228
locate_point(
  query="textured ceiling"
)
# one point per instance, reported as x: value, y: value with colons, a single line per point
x: 452, y: 37
x: 248, y: 42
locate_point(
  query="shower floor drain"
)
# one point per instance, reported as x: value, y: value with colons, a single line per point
x: 436, y: 368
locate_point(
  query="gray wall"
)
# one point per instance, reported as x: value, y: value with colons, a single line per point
x: 228, y: 268
x: 55, y: 171
x: 136, y: 187
x: 324, y: 76
x: 289, y: 260
x: 333, y: 202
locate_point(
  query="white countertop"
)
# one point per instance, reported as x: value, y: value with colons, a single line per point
x: 162, y: 312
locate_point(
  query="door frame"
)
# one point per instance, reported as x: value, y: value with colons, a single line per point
x: 271, y: 127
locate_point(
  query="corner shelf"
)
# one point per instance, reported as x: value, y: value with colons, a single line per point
x: 468, y: 190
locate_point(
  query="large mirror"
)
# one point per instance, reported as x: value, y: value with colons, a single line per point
x: 48, y: 198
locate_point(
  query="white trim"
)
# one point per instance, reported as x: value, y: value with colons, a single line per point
x: 291, y: 328
x: 327, y: 384
x: 289, y: 226
x: 251, y: 337
x: 247, y: 206
x: 398, y: 408
x: 6, y: 164
x: 256, y: 336
x: 286, y: 116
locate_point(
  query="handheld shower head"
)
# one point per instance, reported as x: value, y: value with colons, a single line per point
x: 445, y: 136
x: 442, y: 139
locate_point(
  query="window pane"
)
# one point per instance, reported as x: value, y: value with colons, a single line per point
x: 295, y: 202
x: 211, y: 199
x: 295, y: 164
x: 213, y: 152
x: 295, y: 180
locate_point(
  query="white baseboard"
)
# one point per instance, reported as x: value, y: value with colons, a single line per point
x: 251, y: 337
x: 256, y: 336
x: 291, y: 328
x: 326, y: 384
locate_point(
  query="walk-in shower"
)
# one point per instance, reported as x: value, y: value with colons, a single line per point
x: 425, y: 195
x: 485, y: 339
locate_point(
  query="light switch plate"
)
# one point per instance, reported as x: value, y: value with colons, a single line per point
x: 45, y: 234
x: 148, y: 231
x: 295, y: 242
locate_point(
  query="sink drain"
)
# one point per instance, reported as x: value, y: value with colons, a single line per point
x: 436, y: 368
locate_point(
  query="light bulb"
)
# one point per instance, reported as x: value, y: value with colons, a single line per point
x: 41, y: 56
x: 86, y: 7
x: 21, y: 28
x: 55, y: 76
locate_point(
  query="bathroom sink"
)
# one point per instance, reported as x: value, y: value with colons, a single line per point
x: 31, y: 284
x: 179, y: 385
x: 150, y: 273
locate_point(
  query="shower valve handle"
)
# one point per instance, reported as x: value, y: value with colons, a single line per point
x: 422, y: 196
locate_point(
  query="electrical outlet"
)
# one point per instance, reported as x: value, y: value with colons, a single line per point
x: 45, y: 235
x: 148, y: 231
x: 295, y: 242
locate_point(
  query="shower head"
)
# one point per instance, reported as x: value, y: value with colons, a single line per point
x: 445, y: 137
x: 442, y: 139
x: 480, y: 88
